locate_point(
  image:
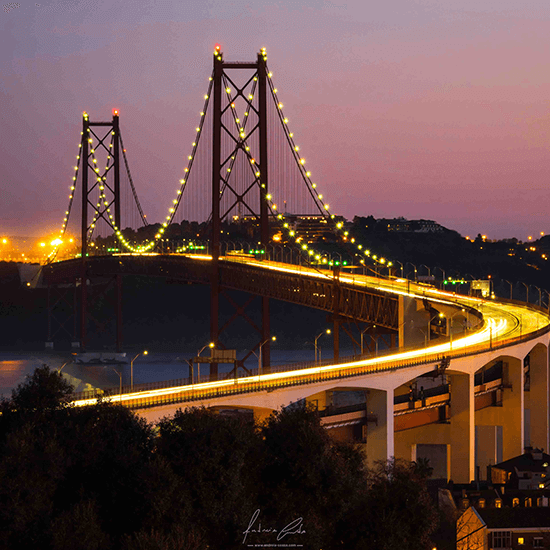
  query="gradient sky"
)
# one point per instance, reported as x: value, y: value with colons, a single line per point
x: 416, y: 108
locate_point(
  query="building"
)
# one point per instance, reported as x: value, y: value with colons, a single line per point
x: 523, y: 472
x: 411, y: 226
x: 519, y: 528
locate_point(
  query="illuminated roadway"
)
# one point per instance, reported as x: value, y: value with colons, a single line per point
x: 503, y: 324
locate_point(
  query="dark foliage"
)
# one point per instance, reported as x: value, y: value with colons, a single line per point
x: 216, y: 461
x: 400, y: 513
x: 100, y: 477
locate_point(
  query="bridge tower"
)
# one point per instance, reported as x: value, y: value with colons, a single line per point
x: 100, y: 194
x: 224, y: 73
x: 107, y: 135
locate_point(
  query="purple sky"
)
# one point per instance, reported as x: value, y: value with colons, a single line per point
x: 414, y: 108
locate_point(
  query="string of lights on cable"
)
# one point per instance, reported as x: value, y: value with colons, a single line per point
x: 58, y: 241
x: 323, y: 206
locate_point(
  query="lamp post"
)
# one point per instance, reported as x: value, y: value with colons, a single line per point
x: 317, y: 338
x: 540, y: 295
x: 145, y: 352
x: 63, y: 365
x: 527, y: 289
x: 440, y: 315
x: 400, y: 266
x: 120, y: 387
x: 510, y: 287
x: 451, y: 326
x: 425, y: 337
x: 442, y: 272
x: 273, y: 339
x: 429, y: 270
x: 415, y: 270
x: 211, y: 345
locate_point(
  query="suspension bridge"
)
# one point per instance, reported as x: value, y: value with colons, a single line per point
x: 246, y: 174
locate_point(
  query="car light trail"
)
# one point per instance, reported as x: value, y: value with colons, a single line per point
x: 501, y: 321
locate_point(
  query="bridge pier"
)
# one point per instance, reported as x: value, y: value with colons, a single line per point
x: 462, y: 427
x: 513, y: 408
x: 538, y: 398
x: 380, y: 435
x: 500, y: 429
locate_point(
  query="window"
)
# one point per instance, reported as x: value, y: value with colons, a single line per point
x: 527, y: 503
x: 537, y: 542
x: 498, y: 503
x: 481, y: 503
x: 521, y: 540
x: 515, y: 502
x: 502, y: 539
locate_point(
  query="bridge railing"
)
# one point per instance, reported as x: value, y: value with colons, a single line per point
x: 257, y: 382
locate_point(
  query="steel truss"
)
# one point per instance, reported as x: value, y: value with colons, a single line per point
x: 240, y: 137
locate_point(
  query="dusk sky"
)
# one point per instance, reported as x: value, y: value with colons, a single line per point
x: 423, y: 109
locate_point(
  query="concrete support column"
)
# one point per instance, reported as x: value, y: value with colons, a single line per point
x: 538, y: 397
x: 462, y: 428
x: 488, y: 447
x: 512, y: 408
x: 380, y: 442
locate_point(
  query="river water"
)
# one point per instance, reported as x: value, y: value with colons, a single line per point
x: 155, y: 367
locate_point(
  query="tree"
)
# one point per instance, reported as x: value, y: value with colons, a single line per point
x: 43, y: 390
x: 216, y: 459
x: 309, y: 475
x: 76, y: 477
x: 101, y: 477
x: 400, y: 514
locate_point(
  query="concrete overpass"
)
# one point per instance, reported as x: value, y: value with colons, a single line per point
x: 478, y: 333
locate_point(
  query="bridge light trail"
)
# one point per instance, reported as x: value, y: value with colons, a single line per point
x: 493, y: 326
x: 501, y: 321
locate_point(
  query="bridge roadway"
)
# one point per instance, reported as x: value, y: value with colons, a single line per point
x: 509, y: 332
x: 301, y: 285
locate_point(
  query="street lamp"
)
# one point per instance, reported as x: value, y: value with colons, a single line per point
x: 527, y: 289
x: 273, y: 338
x: 63, y: 365
x: 317, y: 338
x: 429, y: 270
x: 451, y: 326
x: 510, y: 287
x: 440, y: 315
x: 540, y: 295
x: 145, y: 352
x: 400, y: 266
x: 414, y: 273
x: 442, y: 272
x: 211, y: 345
x: 120, y: 376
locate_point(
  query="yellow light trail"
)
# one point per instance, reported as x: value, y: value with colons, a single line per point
x: 502, y: 321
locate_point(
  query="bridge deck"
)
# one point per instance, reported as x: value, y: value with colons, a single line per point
x: 300, y: 285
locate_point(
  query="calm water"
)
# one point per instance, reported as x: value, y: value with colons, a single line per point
x: 14, y: 367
